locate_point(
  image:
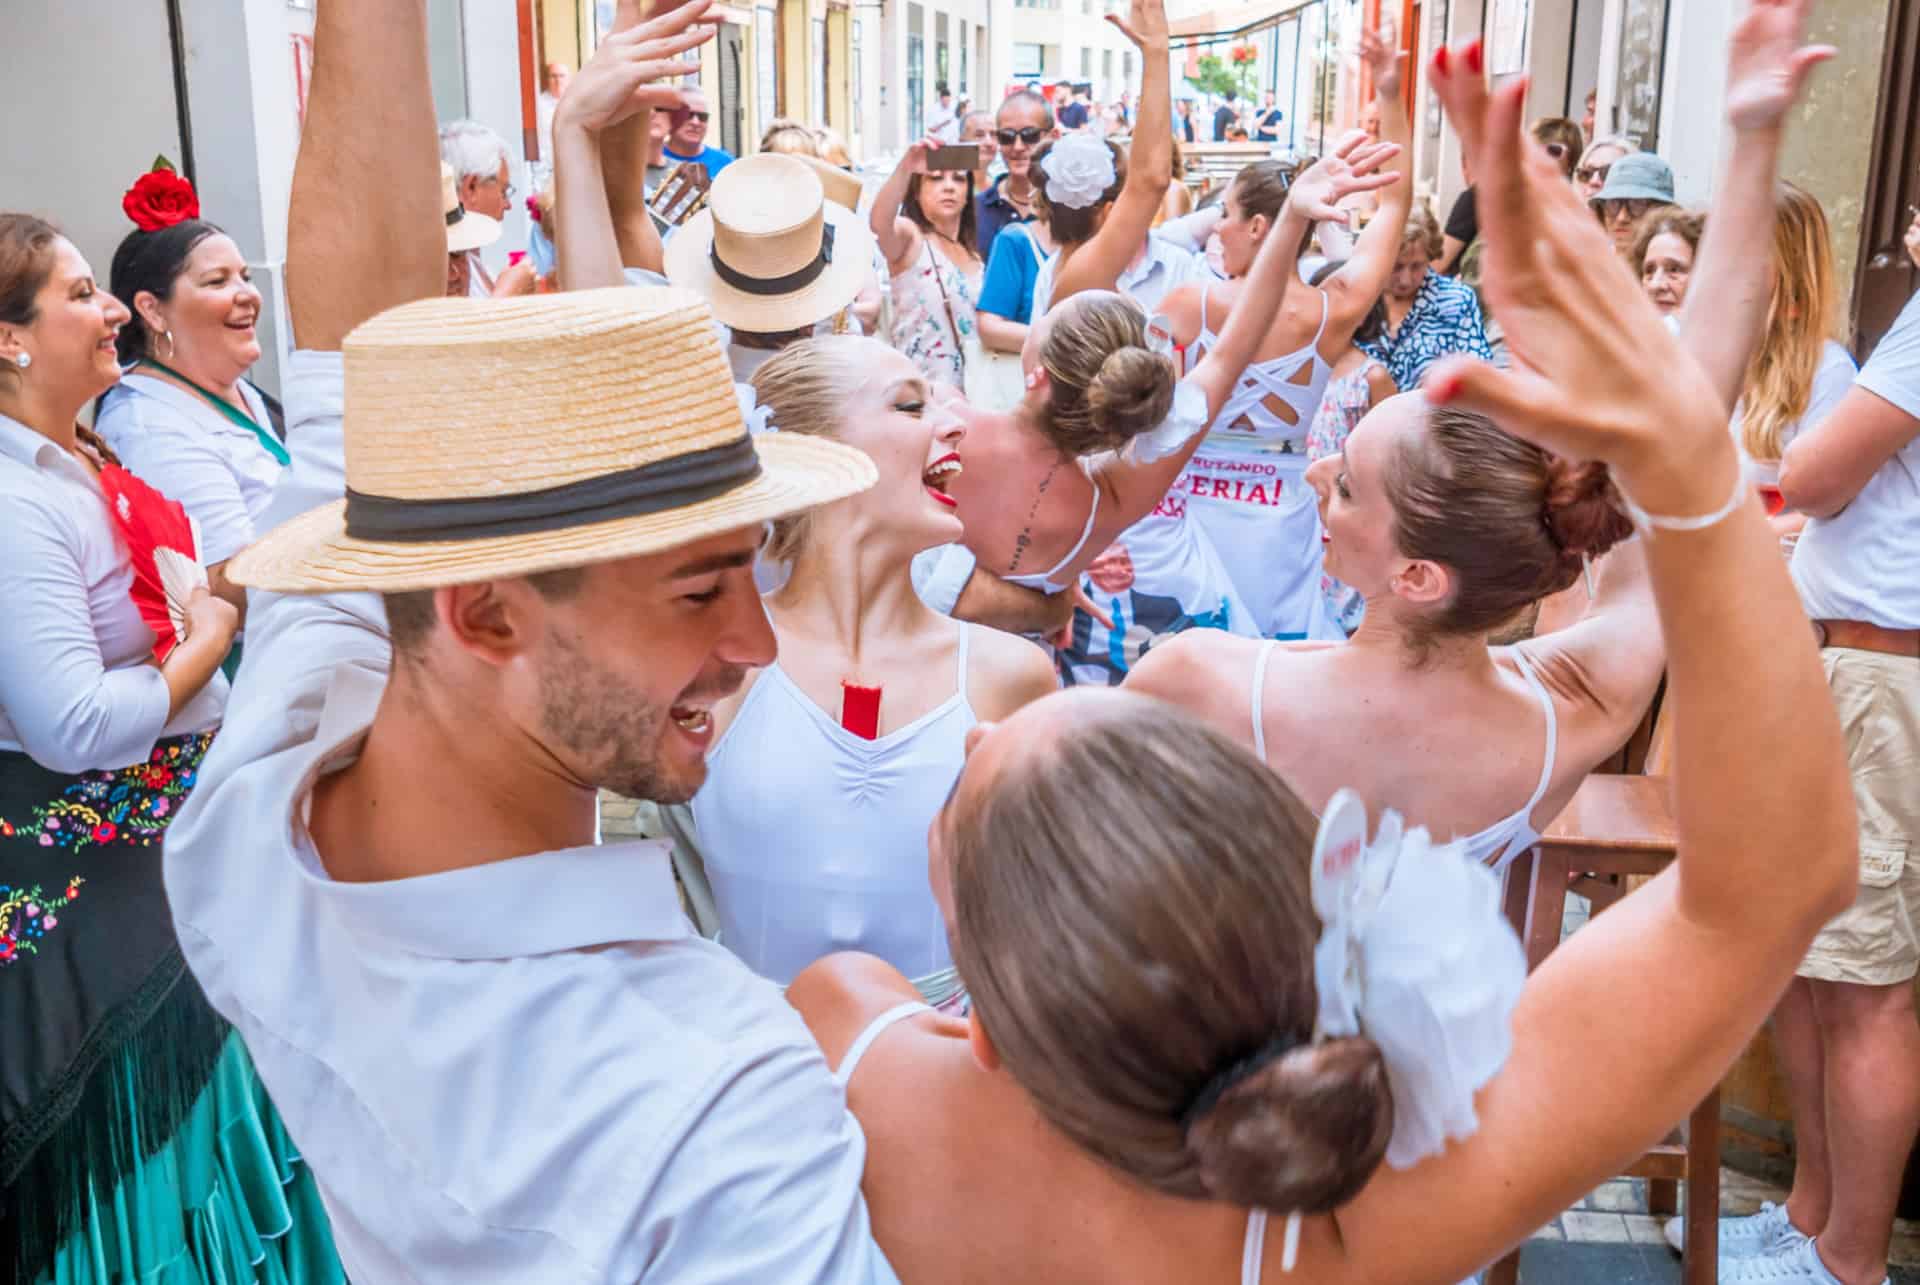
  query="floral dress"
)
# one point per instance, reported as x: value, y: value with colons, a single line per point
x: 933, y: 321
x: 1342, y: 407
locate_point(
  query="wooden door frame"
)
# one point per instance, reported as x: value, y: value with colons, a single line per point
x: 1883, y: 275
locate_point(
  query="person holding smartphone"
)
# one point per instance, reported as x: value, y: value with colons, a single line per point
x: 923, y: 218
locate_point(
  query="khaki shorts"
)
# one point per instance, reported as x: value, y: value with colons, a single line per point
x: 1877, y: 941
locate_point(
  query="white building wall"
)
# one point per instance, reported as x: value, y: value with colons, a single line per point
x: 88, y: 95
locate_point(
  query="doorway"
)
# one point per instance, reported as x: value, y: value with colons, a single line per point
x: 1886, y: 277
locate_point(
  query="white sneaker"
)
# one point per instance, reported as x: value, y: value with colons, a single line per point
x: 1795, y: 1263
x: 1743, y: 1237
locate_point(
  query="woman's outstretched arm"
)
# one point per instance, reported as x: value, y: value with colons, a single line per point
x: 1097, y: 264
x: 1645, y: 1008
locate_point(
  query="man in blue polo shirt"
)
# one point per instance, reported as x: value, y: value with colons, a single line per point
x: 1022, y: 125
x: 688, y: 139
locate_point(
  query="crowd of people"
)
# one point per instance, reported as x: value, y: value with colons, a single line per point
x: 790, y: 502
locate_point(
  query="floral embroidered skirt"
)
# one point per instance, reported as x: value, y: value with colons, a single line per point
x: 136, y: 1143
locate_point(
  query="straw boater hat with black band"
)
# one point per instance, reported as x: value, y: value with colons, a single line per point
x: 770, y: 253
x: 465, y: 229
x: 495, y: 438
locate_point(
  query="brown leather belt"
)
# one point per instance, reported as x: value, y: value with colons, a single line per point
x: 1859, y: 635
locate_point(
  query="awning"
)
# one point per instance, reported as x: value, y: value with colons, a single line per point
x: 1234, y: 21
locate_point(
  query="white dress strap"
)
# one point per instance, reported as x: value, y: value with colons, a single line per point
x: 1553, y: 730
x: 875, y: 1029
x: 1255, y: 1248
x: 1325, y: 308
x: 960, y: 668
x: 1044, y: 580
x: 1259, y: 689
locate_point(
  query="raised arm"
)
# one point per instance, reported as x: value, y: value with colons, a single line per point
x: 1352, y: 291
x: 1726, y: 308
x: 1097, y: 264
x: 1133, y: 484
x: 623, y: 158
x: 621, y: 84
x: 898, y: 236
x: 1766, y: 838
x: 370, y: 111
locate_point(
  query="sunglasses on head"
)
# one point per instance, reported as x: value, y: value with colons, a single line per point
x: 1028, y: 135
x: 1557, y: 151
x: 1593, y: 173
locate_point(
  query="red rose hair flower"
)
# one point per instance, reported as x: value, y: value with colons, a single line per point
x: 160, y: 200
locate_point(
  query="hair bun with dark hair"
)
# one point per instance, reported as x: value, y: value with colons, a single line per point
x: 1304, y: 1132
x: 1580, y: 510
x: 1131, y: 394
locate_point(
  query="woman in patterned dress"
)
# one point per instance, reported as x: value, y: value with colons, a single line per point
x: 135, y: 1142
x: 1429, y: 316
x: 923, y: 221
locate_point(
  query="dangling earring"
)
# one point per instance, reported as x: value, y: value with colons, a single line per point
x: 168, y: 336
x: 24, y: 360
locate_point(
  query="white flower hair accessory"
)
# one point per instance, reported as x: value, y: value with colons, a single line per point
x: 758, y: 415
x: 1079, y: 170
x: 1415, y: 955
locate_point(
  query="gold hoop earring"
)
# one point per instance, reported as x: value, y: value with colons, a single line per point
x: 168, y: 336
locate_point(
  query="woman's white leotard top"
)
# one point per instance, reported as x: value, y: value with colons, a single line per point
x: 1249, y: 413
x: 1505, y: 839
x: 1253, y: 1248
x: 815, y: 839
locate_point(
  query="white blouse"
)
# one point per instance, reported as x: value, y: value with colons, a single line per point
x: 188, y: 451
x: 78, y: 689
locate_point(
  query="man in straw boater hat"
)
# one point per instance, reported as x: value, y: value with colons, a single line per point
x: 500, y: 1047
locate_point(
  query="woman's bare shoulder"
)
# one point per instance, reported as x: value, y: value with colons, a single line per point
x: 1005, y: 672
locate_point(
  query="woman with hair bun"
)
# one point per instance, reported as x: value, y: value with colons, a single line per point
x: 1098, y: 383
x: 1212, y: 1040
x: 184, y: 418
x: 1451, y: 529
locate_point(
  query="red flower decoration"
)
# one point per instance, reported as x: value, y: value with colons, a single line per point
x: 104, y: 832
x: 160, y: 200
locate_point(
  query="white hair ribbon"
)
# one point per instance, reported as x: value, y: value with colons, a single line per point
x: 1186, y: 420
x: 758, y: 415
x: 1415, y: 955
x: 1079, y: 170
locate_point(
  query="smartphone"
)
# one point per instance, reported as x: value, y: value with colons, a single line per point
x: 953, y: 158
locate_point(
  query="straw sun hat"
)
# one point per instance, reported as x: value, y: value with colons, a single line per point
x: 465, y: 229
x: 495, y: 438
x: 770, y: 252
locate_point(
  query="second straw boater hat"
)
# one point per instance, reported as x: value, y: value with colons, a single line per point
x: 770, y: 252
x: 496, y: 438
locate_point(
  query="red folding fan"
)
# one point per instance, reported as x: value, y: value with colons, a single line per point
x: 165, y: 545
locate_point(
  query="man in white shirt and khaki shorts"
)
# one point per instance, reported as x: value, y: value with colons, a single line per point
x: 1846, y: 1031
x: 500, y: 1047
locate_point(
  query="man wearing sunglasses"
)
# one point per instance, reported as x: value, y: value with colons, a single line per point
x: 1022, y: 124
x: 688, y: 139
x: 1635, y: 184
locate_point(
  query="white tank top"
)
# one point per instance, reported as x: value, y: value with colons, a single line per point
x: 1505, y: 839
x: 816, y: 839
x: 1247, y: 487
